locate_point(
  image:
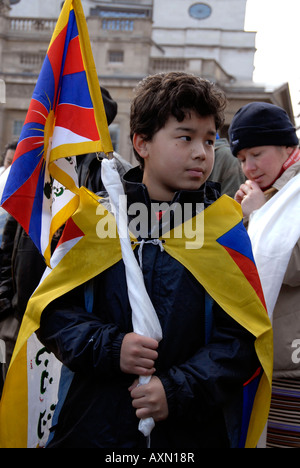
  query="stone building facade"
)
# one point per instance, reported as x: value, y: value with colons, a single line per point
x: 131, y: 39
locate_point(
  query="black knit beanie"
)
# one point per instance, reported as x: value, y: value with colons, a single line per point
x: 261, y: 124
x: 111, y: 107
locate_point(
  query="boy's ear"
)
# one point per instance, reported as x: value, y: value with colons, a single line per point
x: 140, y: 145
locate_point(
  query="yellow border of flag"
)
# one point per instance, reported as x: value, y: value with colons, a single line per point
x: 98, y: 255
x: 242, y: 304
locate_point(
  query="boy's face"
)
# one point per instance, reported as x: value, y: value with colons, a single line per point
x: 179, y: 157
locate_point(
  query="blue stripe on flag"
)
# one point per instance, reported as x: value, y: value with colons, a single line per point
x: 35, y: 227
x: 33, y: 129
x: 249, y: 395
x: 21, y: 170
x: 76, y: 91
x: 72, y: 32
x: 45, y: 87
x: 72, y: 27
x: 243, y: 245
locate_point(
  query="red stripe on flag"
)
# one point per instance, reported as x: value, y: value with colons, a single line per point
x: 74, y: 62
x: 37, y: 113
x: 257, y: 374
x: 249, y: 270
x: 71, y: 231
x: 55, y: 55
x: 78, y: 120
x: 28, y: 144
x: 25, y: 196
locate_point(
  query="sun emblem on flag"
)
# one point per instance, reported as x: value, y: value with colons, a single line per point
x: 48, y: 132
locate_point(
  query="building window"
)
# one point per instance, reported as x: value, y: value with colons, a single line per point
x: 160, y: 65
x: 117, y: 25
x: 110, y: 12
x: 116, y: 56
x: 32, y: 59
x: 118, y: 18
x: 17, y: 128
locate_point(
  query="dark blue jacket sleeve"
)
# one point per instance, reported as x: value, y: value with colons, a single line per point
x: 80, y: 340
x: 216, y: 373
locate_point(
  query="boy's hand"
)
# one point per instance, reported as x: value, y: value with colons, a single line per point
x: 138, y: 355
x: 250, y: 196
x: 150, y: 400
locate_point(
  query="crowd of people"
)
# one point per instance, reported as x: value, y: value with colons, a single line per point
x: 175, y: 123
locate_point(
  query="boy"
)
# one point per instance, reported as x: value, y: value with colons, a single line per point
x: 174, y: 121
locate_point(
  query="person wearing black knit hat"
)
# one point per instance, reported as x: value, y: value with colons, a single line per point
x: 264, y: 139
x: 261, y: 124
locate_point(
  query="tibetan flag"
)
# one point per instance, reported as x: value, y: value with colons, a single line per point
x: 66, y: 118
x: 223, y: 263
x: 30, y: 392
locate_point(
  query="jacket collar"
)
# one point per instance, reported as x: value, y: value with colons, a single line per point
x: 287, y: 176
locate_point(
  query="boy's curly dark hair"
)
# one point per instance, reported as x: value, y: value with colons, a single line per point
x: 159, y: 96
